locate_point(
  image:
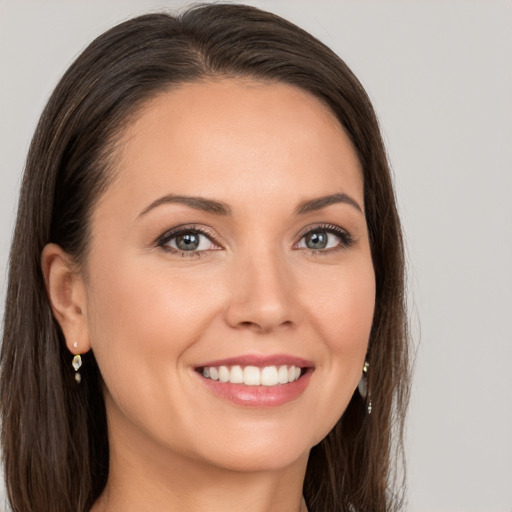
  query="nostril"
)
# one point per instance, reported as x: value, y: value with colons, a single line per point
x: 263, y: 326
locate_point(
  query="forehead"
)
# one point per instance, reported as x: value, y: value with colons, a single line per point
x: 239, y: 138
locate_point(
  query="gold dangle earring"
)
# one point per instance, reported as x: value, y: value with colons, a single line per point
x: 77, y: 363
x: 363, y: 387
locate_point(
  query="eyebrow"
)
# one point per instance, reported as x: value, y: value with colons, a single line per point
x: 220, y: 208
x: 198, y: 203
x: 318, y: 203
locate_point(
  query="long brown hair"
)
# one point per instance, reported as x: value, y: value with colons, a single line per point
x: 54, y: 433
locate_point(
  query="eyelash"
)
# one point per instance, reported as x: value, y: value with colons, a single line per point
x: 183, y: 230
x: 346, y: 240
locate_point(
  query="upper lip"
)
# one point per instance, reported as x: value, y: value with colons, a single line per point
x: 260, y: 361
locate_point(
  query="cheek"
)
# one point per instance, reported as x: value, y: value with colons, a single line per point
x: 142, y: 316
x: 342, y: 319
x: 344, y: 306
x: 353, y: 307
x: 355, y: 302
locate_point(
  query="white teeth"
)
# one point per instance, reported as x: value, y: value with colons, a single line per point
x: 283, y: 375
x: 269, y: 376
x: 237, y: 375
x: 223, y: 374
x: 252, y: 375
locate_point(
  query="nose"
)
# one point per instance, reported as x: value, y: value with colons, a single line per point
x: 262, y: 295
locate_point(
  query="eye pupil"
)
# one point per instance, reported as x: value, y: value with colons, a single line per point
x: 187, y: 242
x: 316, y: 240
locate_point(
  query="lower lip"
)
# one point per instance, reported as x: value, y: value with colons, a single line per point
x: 259, y: 396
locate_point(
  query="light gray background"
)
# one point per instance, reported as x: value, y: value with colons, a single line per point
x: 440, y: 76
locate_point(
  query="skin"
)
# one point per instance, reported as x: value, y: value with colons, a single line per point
x: 152, y: 315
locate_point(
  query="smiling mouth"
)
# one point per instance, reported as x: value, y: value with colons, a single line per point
x: 253, y: 375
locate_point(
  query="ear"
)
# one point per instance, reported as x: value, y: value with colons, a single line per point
x: 67, y: 294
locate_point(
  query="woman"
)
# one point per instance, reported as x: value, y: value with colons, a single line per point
x: 205, y: 305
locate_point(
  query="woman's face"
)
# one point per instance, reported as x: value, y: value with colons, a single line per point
x: 232, y: 239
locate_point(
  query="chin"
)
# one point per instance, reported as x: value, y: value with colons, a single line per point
x: 269, y: 459
x: 261, y: 452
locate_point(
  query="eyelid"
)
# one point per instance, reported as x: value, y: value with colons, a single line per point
x: 164, y: 238
x: 345, y: 237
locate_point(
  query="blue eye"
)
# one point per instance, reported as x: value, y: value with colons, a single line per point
x: 185, y: 240
x: 323, y: 238
x: 319, y: 240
